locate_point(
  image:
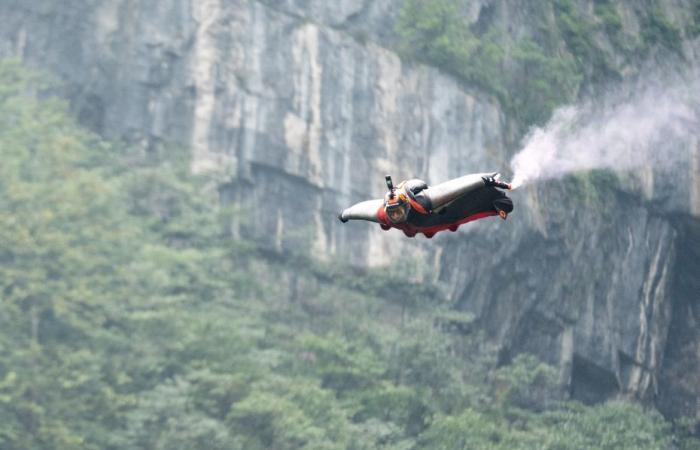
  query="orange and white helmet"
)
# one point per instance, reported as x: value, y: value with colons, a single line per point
x: 397, y: 204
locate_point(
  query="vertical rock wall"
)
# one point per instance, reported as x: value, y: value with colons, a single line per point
x: 291, y: 115
x: 298, y: 113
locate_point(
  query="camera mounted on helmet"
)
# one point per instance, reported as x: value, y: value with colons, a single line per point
x: 396, y: 203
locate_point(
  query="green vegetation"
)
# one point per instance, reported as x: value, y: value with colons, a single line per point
x: 693, y: 30
x: 607, y: 12
x: 528, y: 77
x: 531, y: 75
x: 611, y: 25
x: 612, y: 426
x: 577, y: 31
x: 435, y: 32
x: 543, y: 84
x: 130, y: 319
x: 658, y: 30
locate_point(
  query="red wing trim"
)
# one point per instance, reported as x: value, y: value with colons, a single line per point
x: 429, y: 231
x: 383, y: 219
x: 411, y: 230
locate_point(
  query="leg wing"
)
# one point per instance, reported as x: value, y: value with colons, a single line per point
x: 366, y: 210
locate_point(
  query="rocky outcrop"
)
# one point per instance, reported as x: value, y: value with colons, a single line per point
x: 679, y: 386
x: 298, y: 106
x: 290, y: 114
x: 596, y: 304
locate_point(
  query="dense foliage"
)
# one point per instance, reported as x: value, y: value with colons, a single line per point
x: 129, y: 319
x: 563, y: 52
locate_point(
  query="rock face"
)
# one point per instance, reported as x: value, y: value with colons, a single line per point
x: 294, y: 107
x: 597, y: 304
x: 291, y: 115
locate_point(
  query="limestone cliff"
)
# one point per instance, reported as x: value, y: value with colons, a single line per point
x: 301, y: 106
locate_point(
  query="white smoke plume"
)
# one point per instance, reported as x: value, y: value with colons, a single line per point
x: 632, y: 127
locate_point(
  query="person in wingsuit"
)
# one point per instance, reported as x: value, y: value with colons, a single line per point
x: 414, y: 207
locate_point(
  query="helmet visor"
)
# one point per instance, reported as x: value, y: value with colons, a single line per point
x: 397, y: 213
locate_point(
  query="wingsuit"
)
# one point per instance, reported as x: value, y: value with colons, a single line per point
x: 414, y: 207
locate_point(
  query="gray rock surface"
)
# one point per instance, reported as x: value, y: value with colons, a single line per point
x: 293, y: 107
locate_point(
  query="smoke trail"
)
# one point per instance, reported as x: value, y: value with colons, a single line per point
x: 630, y: 128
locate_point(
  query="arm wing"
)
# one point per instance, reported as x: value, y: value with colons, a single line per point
x: 443, y: 193
x: 362, y: 211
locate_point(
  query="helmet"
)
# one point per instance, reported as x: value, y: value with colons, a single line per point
x: 397, y: 206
